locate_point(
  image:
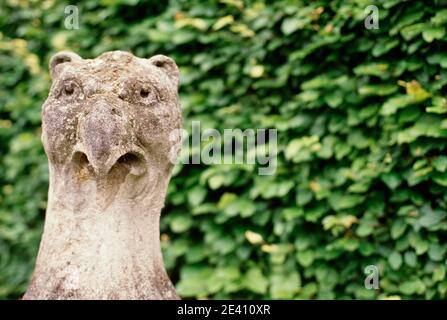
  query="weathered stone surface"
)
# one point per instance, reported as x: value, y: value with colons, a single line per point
x: 107, y: 127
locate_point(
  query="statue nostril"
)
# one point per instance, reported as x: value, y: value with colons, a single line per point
x: 128, y: 159
x: 131, y: 162
x: 82, y: 164
x: 80, y: 158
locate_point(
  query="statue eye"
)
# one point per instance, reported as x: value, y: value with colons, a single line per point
x: 147, y: 95
x: 144, y: 92
x: 68, y: 89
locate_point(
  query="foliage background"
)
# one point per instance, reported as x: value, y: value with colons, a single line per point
x: 362, y: 165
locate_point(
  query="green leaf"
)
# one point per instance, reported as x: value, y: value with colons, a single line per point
x: 439, y: 273
x: 222, y: 22
x: 398, y: 228
x: 440, y: 17
x: 441, y: 179
x: 339, y: 201
x: 215, y: 182
x: 366, y: 248
x: 377, y: 90
x: 180, y: 223
x: 292, y: 24
x: 196, y: 196
x: 410, y: 259
x: 384, y: 46
x: 392, y: 180
x: 366, y: 227
x: 318, y: 82
x: 305, y: 258
x: 255, y: 281
x: 334, y: 99
x: 395, y: 260
x: 408, y: 18
x: 440, y: 163
x: 193, y: 280
x: 301, y: 149
x: 395, y: 103
x: 285, y: 286
x: 246, y: 208
x: 439, y: 58
x: 412, y: 31
x: 411, y: 287
x: 303, y: 197
x: 372, y: 69
x: 436, y: 252
x: 430, y: 217
x: 420, y: 245
x: 226, y: 199
x: 292, y: 213
x: 426, y: 126
x: 433, y: 33
x: 439, y: 105
x: 437, y: 109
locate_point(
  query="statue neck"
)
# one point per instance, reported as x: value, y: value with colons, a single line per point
x: 98, y: 245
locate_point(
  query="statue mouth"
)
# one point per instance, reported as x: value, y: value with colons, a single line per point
x: 131, y: 162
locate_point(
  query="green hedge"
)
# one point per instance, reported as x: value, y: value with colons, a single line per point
x: 362, y: 127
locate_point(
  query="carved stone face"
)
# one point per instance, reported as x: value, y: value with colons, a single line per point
x: 110, y: 119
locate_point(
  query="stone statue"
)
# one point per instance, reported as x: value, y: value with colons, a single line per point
x: 107, y: 127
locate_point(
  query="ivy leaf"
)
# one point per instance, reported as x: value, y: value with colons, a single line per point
x: 305, y: 258
x: 439, y: 273
x: 392, y: 180
x: 292, y: 24
x: 410, y: 258
x: 411, y: 287
x: 440, y: 163
x: 398, y: 228
x: 339, y: 201
x: 433, y: 33
x: 255, y: 281
x: 395, y: 260
x: 430, y: 217
x: 395, y: 103
x: 285, y: 286
x: 196, y: 196
x: 180, y: 223
x: 440, y: 17
x: 436, y: 252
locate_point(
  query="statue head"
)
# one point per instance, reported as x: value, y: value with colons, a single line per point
x: 110, y: 120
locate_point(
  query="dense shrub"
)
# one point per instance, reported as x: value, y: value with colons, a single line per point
x: 360, y: 114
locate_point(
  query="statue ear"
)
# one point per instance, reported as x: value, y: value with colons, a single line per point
x: 59, y: 59
x: 168, y: 66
